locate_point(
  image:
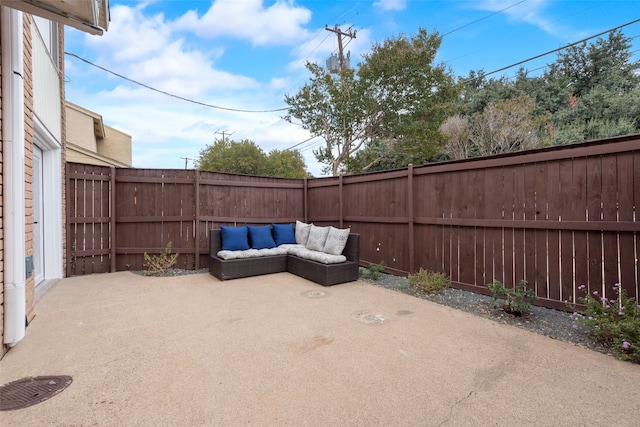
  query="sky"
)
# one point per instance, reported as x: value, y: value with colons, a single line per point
x: 225, y: 66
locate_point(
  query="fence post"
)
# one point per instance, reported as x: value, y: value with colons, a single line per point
x: 341, y: 189
x: 67, y: 220
x: 196, y: 226
x: 305, y: 199
x: 112, y: 216
x: 411, y: 217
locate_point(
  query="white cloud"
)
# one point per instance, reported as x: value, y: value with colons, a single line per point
x: 144, y: 48
x: 530, y: 11
x: 279, y: 24
x: 131, y: 35
x: 186, y: 73
x: 391, y: 4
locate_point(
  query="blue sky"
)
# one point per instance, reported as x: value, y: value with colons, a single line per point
x: 247, y: 54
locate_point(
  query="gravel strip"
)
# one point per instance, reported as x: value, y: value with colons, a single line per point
x: 555, y: 324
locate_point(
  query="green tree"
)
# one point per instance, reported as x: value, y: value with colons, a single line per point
x: 505, y: 126
x: 392, y: 106
x: 584, y: 66
x: 286, y: 164
x: 601, y: 90
x: 245, y: 157
x: 591, y: 91
x: 242, y: 157
x: 326, y: 107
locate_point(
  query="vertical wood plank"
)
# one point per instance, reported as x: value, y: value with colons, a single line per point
x: 579, y: 201
x: 553, y: 236
x: 541, y: 236
x: 610, y: 213
x: 593, y: 258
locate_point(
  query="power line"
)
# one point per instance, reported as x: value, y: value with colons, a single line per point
x: 554, y: 50
x: 480, y: 19
x: 171, y: 94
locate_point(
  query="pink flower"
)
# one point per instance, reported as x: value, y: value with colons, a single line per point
x: 581, y: 287
x: 625, y: 345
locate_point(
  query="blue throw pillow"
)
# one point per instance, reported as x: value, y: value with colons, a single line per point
x: 261, y: 237
x: 284, y: 234
x: 234, y: 238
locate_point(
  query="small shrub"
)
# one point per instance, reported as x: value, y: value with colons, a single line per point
x: 375, y: 270
x: 615, y: 323
x: 517, y: 299
x: 157, y: 265
x: 428, y: 281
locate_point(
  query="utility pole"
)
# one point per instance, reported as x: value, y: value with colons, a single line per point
x: 186, y: 160
x: 340, y: 33
x: 223, y: 133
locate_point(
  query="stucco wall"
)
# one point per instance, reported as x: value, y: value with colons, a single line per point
x: 80, y: 129
x: 116, y: 145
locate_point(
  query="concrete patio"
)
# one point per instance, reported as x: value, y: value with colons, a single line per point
x: 279, y: 350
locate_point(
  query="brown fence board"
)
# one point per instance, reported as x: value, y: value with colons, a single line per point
x: 594, y: 279
x: 626, y: 206
x: 565, y: 205
x: 610, y: 213
x: 539, y: 258
x: 581, y: 239
x: 508, y: 238
x: 552, y: 261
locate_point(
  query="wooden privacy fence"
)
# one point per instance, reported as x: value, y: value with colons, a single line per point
x: 558, y: 217
x: 114, y: 216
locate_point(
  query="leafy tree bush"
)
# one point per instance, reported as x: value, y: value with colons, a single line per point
x: 517, y: 299
x: 375, y: 270
x: 391, y: 107
x: 591, y: 91
x: 245, y: 157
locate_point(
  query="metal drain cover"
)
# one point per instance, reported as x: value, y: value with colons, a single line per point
x: 369, y: 318
x: 29, y: 391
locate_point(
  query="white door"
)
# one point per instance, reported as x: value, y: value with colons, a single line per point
x: 38, y: 217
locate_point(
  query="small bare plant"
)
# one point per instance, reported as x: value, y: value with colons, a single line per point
x: 429, y: 282
x: 157, y: 265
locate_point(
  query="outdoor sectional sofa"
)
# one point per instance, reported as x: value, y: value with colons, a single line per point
x: 291, y: 258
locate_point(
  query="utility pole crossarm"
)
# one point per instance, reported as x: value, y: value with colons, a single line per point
x: 223, y: 133
x: 340, y: 33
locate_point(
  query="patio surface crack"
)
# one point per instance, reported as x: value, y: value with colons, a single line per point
x: 472, y: 392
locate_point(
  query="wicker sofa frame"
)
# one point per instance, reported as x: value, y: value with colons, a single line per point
x: 324, y: 274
